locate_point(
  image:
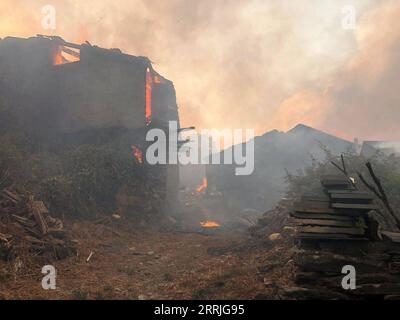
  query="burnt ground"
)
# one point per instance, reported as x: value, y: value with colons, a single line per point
x: 140, y: 263
x: 131, y: 263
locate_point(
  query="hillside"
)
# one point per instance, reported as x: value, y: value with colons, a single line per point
x: 276, y: 153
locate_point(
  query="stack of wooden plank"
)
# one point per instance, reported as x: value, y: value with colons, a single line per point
x: 341, y: 212
x: 319, y: 271
x: 27, y: 227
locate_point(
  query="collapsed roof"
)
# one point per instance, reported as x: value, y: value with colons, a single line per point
x: 72, y: 87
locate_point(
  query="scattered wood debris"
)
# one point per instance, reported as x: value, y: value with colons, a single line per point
x: 90, y: 256
x: 27, y: 227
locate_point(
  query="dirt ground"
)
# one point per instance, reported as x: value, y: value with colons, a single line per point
x: 139, y: 263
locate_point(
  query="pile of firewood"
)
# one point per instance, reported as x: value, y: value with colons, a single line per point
x: 26, y: 226
x: 337, y: 229
x: 319, y: 271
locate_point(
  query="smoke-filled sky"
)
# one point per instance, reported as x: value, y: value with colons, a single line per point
x: 261, y: 64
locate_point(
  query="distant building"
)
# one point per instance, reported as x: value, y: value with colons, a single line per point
x: 371, y: 148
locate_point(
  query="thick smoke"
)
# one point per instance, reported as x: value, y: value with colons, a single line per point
x: 249, y: 63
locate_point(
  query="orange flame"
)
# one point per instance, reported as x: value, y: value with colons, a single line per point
x: 58, y: 58
x: 210, y: 224
x: 203, y: 186
x: 61, y: 57
x: 158, y: 79
x: 138, y: 154
x: 149, y: 85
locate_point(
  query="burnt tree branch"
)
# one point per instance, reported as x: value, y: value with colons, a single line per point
x: 344, y: 165
x: 380, y: 192
x: 344, y: 170
x: 338, y: 167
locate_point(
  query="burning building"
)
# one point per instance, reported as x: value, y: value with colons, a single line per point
x: 68, y: 93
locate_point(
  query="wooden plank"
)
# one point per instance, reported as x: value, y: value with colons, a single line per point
x: 340, y: 183
x: 5, y: 237
x: 349, y: 212
x: 333, y: 230
x: 320, y: 222
x: 24, y: 221
x: 313, y: 204
x: 353, y: 201
x: 71, y: 52
x: 302, y: 215
x: 13, y: 197
x: 39, y: 205
x: 331, y: 181
x: 354, y: 206
x: 329, y: 262
x: 334, y: 177
x: 346, y: 191
x: 314, y: 198
x: 327, y: 188
x: 333, y: 236
x: 337, y: 185
x: 375, y: 289
x: 393, y: 236
x: 359, y: 196
x: 37, y: 211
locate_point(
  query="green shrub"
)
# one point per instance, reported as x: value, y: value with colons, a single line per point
x: 75, y: 179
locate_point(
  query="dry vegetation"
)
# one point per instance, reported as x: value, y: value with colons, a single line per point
x: 386, y: 167
x: 132, y: 263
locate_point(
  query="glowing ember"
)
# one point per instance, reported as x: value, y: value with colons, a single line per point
x: 203, y: 186
x: 58, y: 58
x: 138, y: 154
x: 65, y: 55
x: 149, y: 85
x: 158, y: 79
x: 210, y: 224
